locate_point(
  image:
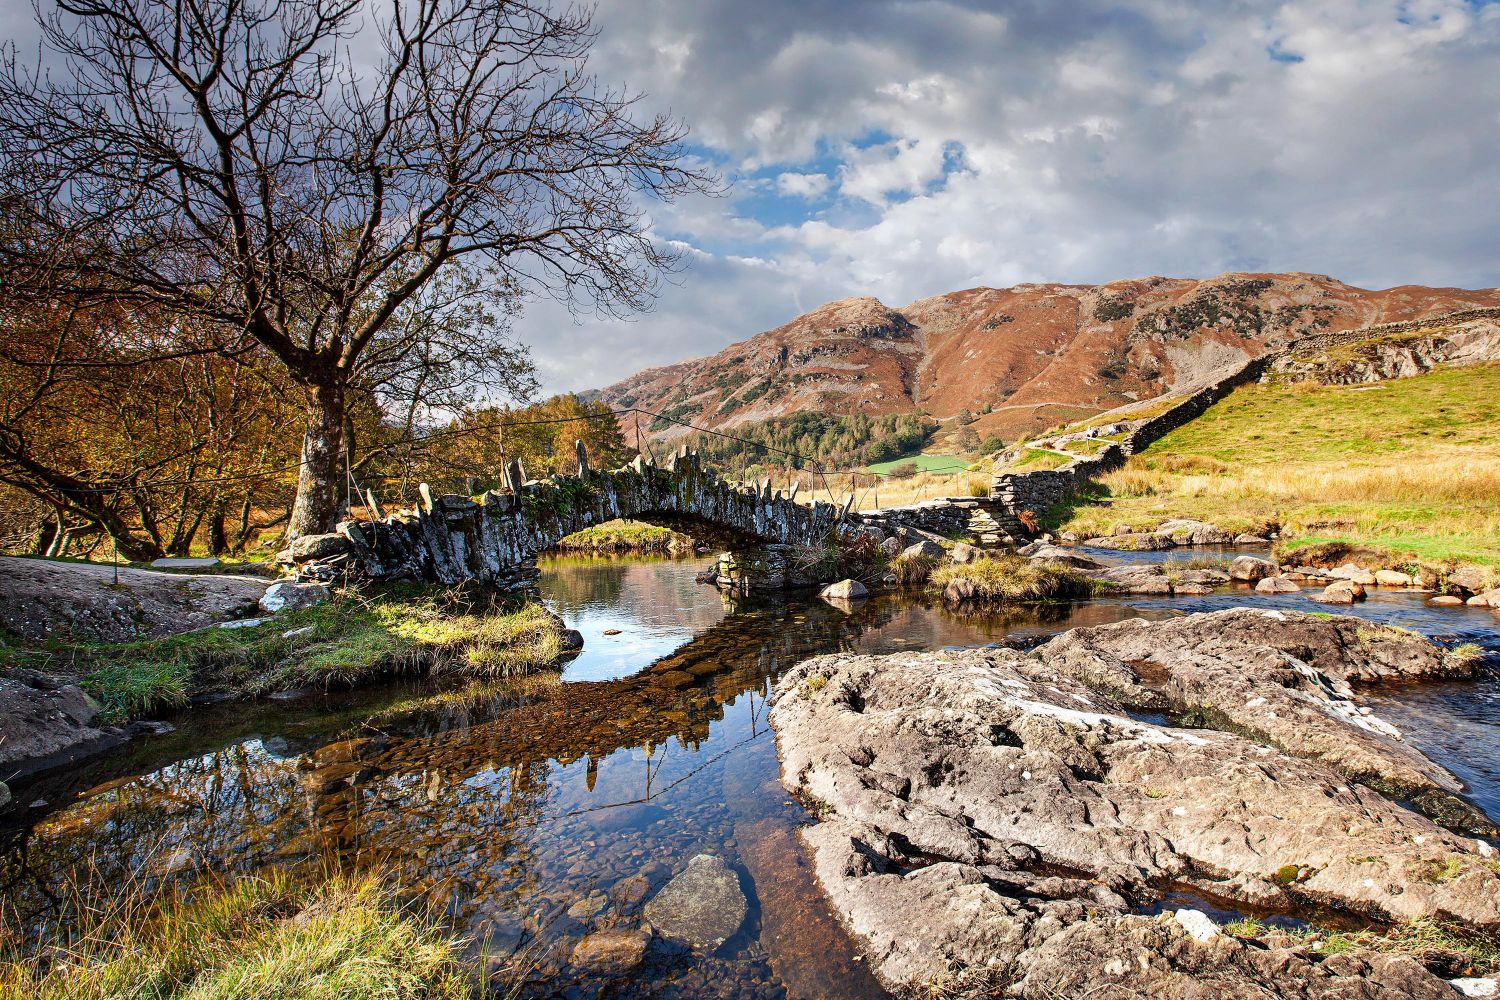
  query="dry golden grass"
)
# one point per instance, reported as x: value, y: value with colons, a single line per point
x: 1413, y: 464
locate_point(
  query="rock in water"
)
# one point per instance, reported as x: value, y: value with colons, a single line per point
x: 1342, y: 592
x: 995, y: 820
x: 703, y: 906
x: 611, y: 953
x: 1276, y: 585
x: 845, y: 590
x: 1251, y: 569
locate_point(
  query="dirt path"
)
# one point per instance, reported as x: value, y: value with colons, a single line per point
x: 42, y: 599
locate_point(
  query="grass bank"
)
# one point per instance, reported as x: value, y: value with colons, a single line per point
x: 1008, y: 579
x: 353, y: 638
x: 625, y: 536
x: 347, y: 938
x: 1409, y: 464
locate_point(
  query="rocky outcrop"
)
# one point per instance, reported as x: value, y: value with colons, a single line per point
x: 43, y: 600
x: 1400, y: 350
x: 1284, y: 678
x: 997, y: 820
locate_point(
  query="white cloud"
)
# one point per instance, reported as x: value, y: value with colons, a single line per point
x: 940, y: 144
x: 809, y: 186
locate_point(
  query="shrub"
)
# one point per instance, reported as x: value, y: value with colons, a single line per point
x: 913, y: 570
x: 904, y: 470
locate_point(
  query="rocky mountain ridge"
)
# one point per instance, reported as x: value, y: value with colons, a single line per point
x: 1035, y: 355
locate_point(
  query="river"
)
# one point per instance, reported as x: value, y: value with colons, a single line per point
x: 535, y: 813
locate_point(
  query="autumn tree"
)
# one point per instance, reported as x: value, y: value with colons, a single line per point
x: 478, y: 442
x: 139, y: 426
x: 301, y: 172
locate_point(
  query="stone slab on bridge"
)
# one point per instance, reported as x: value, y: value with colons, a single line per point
x: 494, y: 538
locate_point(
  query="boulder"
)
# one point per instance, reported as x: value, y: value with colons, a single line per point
x: 1488, y: 599
x: 844, y: 590
x: 1471, y: 987
x: 1187, y: 532
x: 42, y: 720
x: 891, y: 547
x: 310, y: 548
x: 611, y: 952
x: 1392, y: 578
x: 1446, y: 601
x: 1473, y: 579
x: 989, y: 819
x: 1341, y: 592
x: 290, y: 596
x: 1248, y: 539
x: 925, y: 547
x: 963, y: 552
x: 703, y: 906
x: 1354, y: 574
x: 1252, y: 568
x: 1276, y: 585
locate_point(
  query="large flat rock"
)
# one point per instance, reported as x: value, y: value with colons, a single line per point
x: 991, y: 819
x: 42, y: 599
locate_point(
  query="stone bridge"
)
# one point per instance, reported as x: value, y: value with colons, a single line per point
x: 495, y: 538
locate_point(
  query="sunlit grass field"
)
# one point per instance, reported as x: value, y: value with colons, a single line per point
x: 1410, y: 464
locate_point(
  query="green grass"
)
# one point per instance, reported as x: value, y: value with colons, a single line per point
x: 1266, y: 424
x: 274, y: 936
x: 1410, y: 464
x: 1033, y: 459
x: 624, y: 536
x: 345, y: 641
x: 1012, y: 580
x: 937, y: 464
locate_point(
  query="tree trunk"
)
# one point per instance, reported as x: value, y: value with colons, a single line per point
x: 319, y: 505
x: 46, y: 535
x: 218, y: 537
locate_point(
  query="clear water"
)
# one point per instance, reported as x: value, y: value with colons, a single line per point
x: 539, y: 812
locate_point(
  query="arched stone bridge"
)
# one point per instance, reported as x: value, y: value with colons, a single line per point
x: 495, y: 538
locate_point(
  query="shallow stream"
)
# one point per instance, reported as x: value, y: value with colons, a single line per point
x: 534, y: 813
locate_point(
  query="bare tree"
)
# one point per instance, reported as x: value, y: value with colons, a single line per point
x: 299, y: 171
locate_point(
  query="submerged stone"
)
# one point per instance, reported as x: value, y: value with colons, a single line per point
x: 703, y: 906
x: 612, y: 952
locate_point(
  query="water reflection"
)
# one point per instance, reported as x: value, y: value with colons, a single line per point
x: 537, y: 812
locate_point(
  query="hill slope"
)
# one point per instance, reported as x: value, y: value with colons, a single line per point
x: 1039, y: 355
x: 1410, y: 463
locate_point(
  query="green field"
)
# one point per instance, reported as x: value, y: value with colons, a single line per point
x: 941, y: 465
x: 1412, y: 465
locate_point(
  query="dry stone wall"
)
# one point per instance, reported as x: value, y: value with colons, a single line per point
x: 1023, y: 495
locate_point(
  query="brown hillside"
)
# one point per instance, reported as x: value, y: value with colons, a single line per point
x: 1038, y: 354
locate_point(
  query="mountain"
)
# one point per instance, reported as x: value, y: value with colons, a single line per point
x: 1035, y: 354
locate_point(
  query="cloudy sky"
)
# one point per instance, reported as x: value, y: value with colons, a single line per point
x: 902, y: 148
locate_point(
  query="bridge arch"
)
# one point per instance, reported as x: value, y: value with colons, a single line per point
x: 495, y: 538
